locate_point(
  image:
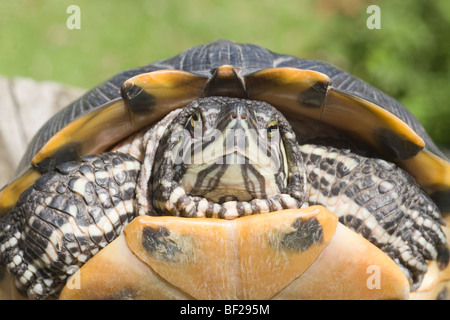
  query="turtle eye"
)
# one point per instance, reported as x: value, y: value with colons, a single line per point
x: 196, y: 120
x: 272, y: 128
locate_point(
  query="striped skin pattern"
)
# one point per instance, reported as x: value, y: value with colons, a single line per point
x: 171, y: 198
x: 65, y: 218
x: 379, y: 201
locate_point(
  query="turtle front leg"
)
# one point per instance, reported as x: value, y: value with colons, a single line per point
x: 65, y: 218
x: 379, y: 201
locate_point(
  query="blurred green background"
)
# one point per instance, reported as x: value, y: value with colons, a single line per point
x: 408, y: 58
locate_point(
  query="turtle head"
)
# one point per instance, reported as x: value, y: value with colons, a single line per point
x: 223, y: 154
x: 234, y: 151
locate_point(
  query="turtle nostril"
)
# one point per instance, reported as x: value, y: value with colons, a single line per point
x: 234, y: 115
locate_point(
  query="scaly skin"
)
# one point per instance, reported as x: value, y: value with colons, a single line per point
x: 379, y: 201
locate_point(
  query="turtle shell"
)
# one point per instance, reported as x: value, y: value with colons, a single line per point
x: 306, y: 89
x: 319, y: 91
x: 247, y: 58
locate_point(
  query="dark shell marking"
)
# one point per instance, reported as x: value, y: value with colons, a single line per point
x: 304, y: 234
x: 203, y: 60
x: 158, y: 243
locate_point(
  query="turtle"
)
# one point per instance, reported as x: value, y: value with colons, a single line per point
x: 229, y: 172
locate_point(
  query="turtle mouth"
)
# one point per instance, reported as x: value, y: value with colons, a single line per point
x: 226, y: 190
x: 182, y: 204
x: 234, y: 175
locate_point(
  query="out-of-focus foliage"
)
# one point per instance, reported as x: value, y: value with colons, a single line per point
x: 408, y: 57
